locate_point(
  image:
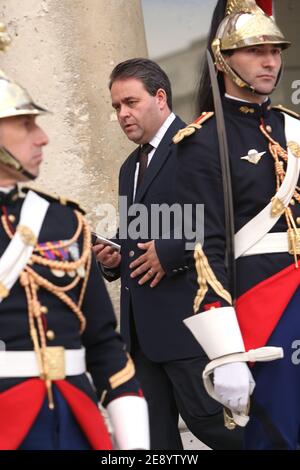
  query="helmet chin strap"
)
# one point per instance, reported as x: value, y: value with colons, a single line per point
x: 250, y: 88
x: 12, y: 164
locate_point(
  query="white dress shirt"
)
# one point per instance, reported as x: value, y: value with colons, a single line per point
x: 155, y: 141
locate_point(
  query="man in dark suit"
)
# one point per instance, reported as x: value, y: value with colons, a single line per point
x: 155, y: 295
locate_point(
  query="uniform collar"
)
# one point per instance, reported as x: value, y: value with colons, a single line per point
x: 247, y: 109
x: 8, y: 195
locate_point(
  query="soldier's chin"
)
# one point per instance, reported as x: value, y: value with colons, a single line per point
x: 14, y: 174
x: 265, y: 89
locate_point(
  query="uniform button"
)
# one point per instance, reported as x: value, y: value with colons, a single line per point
x: 50, y: 335
x: 298, y: 220
x: 269, y: 128
x: 180, y: 269
x: 131, y: 254
x: 175, y: 271
x: 44, y: 309
x: 292, y: 202
x: 186, y: 267
x: 126, y: 288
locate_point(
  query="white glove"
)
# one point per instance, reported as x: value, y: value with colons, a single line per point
x: 233, y: 384
x: 129, y: 419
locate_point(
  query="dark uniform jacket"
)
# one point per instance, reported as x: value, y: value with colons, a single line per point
x: 199, y: 181
x: 158, y: 312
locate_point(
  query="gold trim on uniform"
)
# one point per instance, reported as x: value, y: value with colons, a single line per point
x: 294, y: 148
x: 4, y: 292
x: 27, y: 235
x: 206, y: 276
x: 294, y: 241
x: 191, y: 128
x: 187, y: 131
x: 50, y: 335
x: 51, y: 363
x: 279, y: 107
x: 123, y: 375
x: 277, y: 207
x: 247, y: 110
x: 54, y: 358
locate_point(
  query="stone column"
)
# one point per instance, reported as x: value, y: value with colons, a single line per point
x: 63, y: 53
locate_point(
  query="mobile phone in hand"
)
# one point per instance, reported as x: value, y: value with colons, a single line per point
x: 96, y: 239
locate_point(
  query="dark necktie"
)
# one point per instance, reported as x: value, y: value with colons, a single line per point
x: 143, y: 161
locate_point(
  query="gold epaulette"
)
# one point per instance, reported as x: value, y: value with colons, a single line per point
x: 191, y: 128
x: 52, y: 198
x: 279, y: 107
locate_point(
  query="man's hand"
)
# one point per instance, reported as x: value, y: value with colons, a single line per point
x: 149, y: 264
x: 107, y: 256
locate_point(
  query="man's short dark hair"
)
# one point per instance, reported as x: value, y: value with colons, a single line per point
x: 147, y: 71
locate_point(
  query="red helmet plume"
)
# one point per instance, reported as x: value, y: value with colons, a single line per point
x: 266, y: 6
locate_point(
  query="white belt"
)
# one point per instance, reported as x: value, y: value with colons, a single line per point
x: 24, y: 363
x: 270, y: 243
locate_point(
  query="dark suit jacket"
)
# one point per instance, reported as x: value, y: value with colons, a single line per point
x: 158, y: 312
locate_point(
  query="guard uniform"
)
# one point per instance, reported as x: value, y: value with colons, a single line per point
x: 264, y: 150
x: 266, y: 282
x: 56, y: 319
x: 60, y: 295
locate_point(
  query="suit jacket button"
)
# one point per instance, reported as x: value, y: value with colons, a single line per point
x: 131, y: 254
x: 126, y: 288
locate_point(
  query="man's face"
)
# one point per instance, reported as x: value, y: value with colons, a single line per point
x: 257, y: 65
x: 24, y: 139
x: 140, y: 115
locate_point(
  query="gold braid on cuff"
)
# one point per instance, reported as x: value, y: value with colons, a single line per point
x: 205, y: 277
